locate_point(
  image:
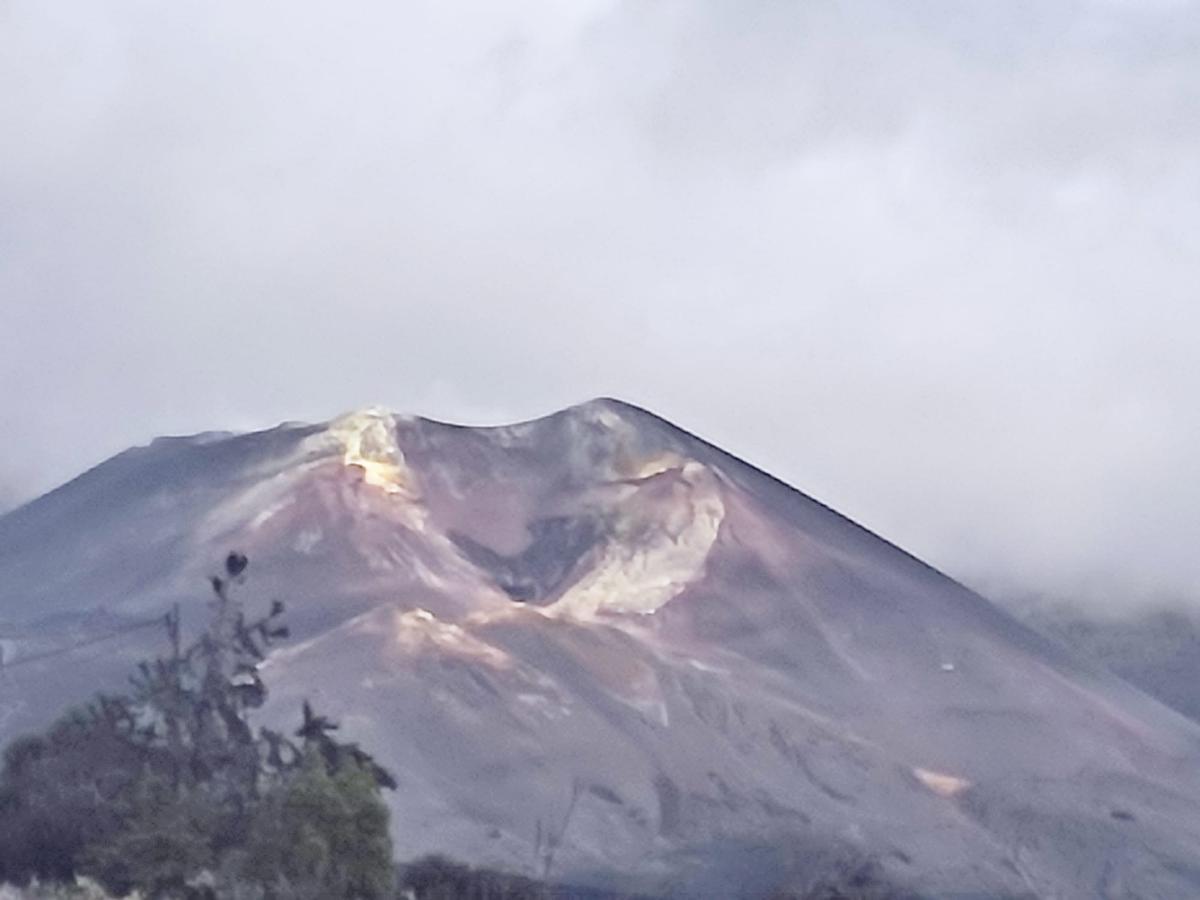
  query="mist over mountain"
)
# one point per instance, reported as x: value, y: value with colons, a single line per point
x: 595, y: 646
x: 1155, y: 646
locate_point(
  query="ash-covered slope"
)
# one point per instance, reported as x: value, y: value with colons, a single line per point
x: 596, y: 644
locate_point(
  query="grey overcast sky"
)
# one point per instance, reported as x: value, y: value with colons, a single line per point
x: 936, y: 263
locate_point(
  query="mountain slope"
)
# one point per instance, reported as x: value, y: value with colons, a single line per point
x: 595, y: 644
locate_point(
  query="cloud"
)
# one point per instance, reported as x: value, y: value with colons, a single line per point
x: 932, y: 263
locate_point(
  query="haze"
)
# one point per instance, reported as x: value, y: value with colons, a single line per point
x: 935, y: 264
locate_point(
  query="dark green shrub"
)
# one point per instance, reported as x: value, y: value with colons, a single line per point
x: 162, y: 789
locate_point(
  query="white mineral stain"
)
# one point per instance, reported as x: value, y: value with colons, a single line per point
x: 657, y: 549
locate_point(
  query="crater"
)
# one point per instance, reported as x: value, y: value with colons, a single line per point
x: 536, y: 574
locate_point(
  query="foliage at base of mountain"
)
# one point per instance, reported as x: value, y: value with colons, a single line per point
x: 321, y: 833
x: 169, y: 791
x: 438, y: 878
x: 80, y: 889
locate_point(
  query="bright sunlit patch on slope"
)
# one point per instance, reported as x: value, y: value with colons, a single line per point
x: 657, y: 549
x: 657, y: 465
x: 307, y: 540
x: 420, y: 629
x: 270, y: 512
x: 940, y: 783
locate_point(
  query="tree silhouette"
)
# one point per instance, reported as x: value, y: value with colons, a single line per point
x: 148, y: 788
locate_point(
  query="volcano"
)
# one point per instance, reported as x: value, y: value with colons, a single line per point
x: 594, y: 646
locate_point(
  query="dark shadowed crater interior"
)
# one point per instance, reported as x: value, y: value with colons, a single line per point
x: 536, y: 573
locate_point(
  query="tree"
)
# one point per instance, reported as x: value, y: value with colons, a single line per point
x: 60, y: 790
x: 322, y: 832
x: 438, y: 878
x: 163, y: 841
x: 160, y: 787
